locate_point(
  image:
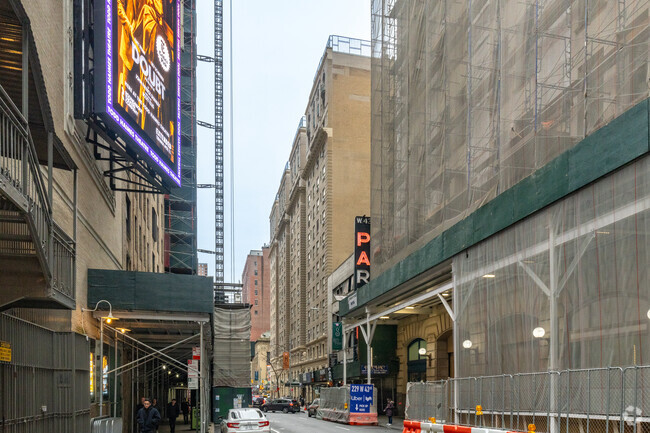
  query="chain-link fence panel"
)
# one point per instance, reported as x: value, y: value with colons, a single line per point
x: 603, y: 400
x: 426, y: 400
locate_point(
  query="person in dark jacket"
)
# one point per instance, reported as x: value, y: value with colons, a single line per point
x: 172, y: 413
x: 148, y: 418
x: 185, y: 407
x: 135, y: 413
x: 389, y: 411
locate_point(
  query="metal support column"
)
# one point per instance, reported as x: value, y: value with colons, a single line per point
x: 25, y: 73
x: 50, y: 181
x: 552, y: 362
x: 368, y: 334
x: 456, y: 341
x: 202, y: 401
x: 115, y: 380
x: 101, y: 367
x: 345, y: 356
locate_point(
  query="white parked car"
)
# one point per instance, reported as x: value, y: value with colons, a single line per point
x: 245, y: 421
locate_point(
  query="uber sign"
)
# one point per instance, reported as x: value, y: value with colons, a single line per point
x: 361, y: 251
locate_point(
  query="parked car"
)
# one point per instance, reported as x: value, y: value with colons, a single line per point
x: 313, y: 407
x: 280, y: 404
x: 245, y: 421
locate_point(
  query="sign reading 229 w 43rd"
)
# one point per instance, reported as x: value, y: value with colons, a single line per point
x: 137, y: 77
x: 361, y: 398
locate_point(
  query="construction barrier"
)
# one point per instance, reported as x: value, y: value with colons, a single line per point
x: 412, y: 426
x: 363, y: 418
x: 429, y: 427
x: 335, y: 406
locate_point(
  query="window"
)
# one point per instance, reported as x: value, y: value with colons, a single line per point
x: 128, y: 218
x: 256, y: 282
x: 256, y: 302
x: 154, y: 225
x: 255, y: 292
x: 255, y: 271
x: 256, y: 312
x: 417, y: 364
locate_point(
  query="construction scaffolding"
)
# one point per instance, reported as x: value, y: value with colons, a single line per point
x: 472, y: 96
x: 180, y: 204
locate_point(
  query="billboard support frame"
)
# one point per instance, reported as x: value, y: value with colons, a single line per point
x: 119, y: 154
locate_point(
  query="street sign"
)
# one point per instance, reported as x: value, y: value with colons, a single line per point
x: 337, y: 336
x: 376, y: 369
x: 196, y: 353
x: 361, y: 398
x: 193, y: 373
x: 5, y: 351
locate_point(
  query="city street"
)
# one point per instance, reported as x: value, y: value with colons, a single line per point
x: 301, y: 423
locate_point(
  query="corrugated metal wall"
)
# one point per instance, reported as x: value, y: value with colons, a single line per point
x: 48, y: 370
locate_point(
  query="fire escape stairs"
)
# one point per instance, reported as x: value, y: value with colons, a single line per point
x: 36, y: 256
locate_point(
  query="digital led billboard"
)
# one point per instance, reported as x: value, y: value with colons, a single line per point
x: 137, y: 76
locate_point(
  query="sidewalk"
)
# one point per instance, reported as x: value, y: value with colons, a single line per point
x: 180, y: 427
x: 398, y: 422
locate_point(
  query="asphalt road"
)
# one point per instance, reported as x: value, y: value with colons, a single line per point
x: 300, y: 423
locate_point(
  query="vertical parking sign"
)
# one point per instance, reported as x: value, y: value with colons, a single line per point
x: 361, y: 398
x: 361, y: 251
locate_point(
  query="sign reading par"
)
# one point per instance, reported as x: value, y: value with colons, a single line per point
x: 361, y: 251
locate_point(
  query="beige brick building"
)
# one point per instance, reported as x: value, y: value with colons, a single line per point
x: 60, y: 217
x: 325, y: 185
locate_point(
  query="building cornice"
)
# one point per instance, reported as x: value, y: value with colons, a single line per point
x: 321, y: 137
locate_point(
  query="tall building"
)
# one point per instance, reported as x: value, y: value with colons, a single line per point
x: 81, y: 225
x: 203, y: 270
x: 260, y: 376
x: 510, y: 191
x: 256, y: 290
x: 324, y: 186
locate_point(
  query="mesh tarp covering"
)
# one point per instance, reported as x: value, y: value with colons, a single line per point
x: 471, y: 97
x: 576, y: 273
x: 335, y: 406
x: 232, y: 350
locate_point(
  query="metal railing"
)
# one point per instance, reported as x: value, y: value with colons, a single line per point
x: 21, y: 181
x: 599, y: 400
x: 63, y: 264
x: 345, y: 45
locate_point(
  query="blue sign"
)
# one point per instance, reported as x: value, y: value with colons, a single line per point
x: 376, y: 369
x: 361, y: 398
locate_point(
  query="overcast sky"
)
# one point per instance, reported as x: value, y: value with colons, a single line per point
x: 277, y: 46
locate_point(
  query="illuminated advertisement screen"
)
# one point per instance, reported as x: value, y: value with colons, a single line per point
x: 137, y: 78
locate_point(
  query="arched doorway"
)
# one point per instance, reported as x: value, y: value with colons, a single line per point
x: 416, y: 363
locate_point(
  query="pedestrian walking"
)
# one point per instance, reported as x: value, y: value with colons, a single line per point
x: 148, y: 418
x: 135, y: 412
x: 388, y: 410
x: 185, y: 407
x: 172, y: 413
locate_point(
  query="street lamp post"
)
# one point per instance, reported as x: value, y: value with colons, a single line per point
x: 109, y: 318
